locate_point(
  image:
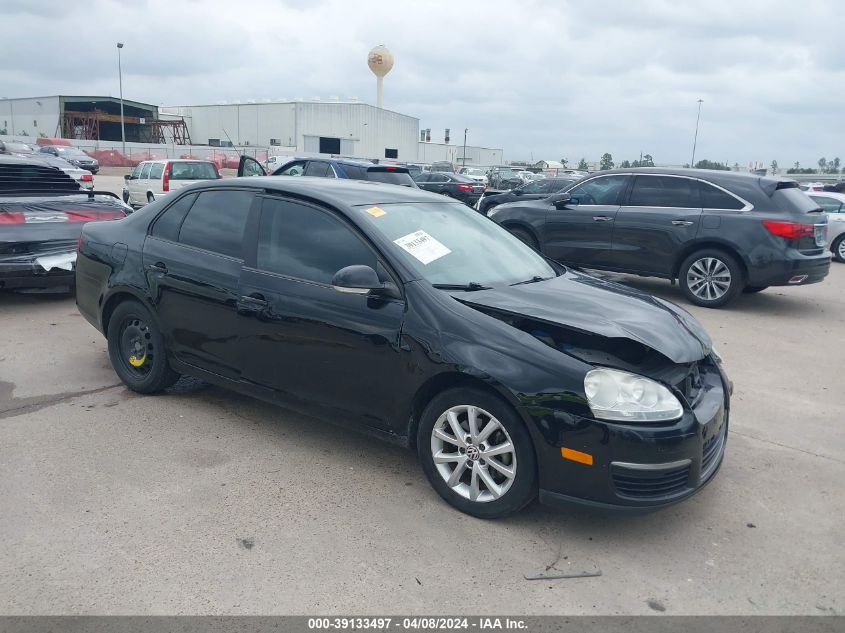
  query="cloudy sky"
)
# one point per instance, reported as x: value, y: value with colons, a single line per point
x: 540, y: 79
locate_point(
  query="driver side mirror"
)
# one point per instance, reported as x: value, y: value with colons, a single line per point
x: 363, y: 280
x: 517, y: 192
x: 562, y: 200
x: 127, y: 176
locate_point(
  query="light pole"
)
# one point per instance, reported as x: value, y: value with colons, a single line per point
x: 120, y: 79
x: 465, y: 146
x: 695, y: 138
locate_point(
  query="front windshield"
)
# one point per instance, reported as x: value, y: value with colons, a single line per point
x: 449, y: 243
x: 71, y: 151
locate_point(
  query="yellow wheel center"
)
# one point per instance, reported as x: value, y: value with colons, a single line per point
x: 137, y: 361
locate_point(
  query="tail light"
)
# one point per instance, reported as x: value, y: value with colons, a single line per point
x: 79, y: 244
x: 165, y: 184
x: 465, y: 187
x: 86, y: 178
x: 12, y: 218
x: 789, y: 230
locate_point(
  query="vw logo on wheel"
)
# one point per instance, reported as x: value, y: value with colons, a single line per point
x: 473, y: 453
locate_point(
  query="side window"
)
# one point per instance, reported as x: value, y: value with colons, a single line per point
x: 292, y: 239
x: 317, y: 168
x: 602, y: 190
x: 136, y: 173
x: 714, y: 198
x: 438, y: 178
x: 828, y: 205
x: 422, y: 177
x: 662, y: 191
x: 354, y: 172
x: 294, y: 169
x: 216, y: 222
x: 167, y: 224
x: 156, y: 171
x: 538, y: 186
x: 145, y: 171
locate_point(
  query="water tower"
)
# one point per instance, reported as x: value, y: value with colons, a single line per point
x: 380, y: 61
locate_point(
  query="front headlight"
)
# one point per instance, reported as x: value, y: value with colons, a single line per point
x: 716, y: 356
x: 622, y: 397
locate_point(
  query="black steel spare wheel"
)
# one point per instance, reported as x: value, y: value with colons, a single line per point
x: 136, y: 349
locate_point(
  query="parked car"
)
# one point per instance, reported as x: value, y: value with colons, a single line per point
x: 42, y: 211
x: 833, y: 204
x: 717, y: 233
x: 152, y: 179
x: 474, y: 173
x: 81, y: 176
x: 413, y: 318
x: 443, y: 166
x: 274, y: 162
x: 73, y: 155
x: 455, y: 186
x: 503, y: 178
x: 333, y: 168
x: 531, y: 191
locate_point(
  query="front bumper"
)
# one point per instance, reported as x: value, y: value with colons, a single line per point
x: 635, y: 467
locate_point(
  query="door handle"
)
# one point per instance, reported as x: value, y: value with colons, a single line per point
x: 158, y: 267
x: 602, y: 218
x: 682, y: 223
x: 252, y: 304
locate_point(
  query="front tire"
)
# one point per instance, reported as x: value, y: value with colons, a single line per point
x: 137, y: 351
x: 711, y: 278
x: 526, y: 238
x: 150, y: 198
x: 477, y: 454
x: 838, y: 248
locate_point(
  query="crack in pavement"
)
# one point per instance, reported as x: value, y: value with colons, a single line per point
x: 36, y: 403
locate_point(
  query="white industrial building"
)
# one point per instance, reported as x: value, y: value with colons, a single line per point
x: 352, y: 128
x: 315, y: 127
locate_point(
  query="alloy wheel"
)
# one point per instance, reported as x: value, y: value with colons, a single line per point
x: 841, y: 250
x: 473, y: 453
x: 709, y: 278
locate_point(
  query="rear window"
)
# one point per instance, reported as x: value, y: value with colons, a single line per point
x: 192, y: 171
x: 354, y: 172
x: 793, y: 199
x: 391, y: 177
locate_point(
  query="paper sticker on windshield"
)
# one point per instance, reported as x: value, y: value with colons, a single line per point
x: 422, y: 246
x: 376, y: 212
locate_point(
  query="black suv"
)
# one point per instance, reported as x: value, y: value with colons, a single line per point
x: 534, y: 190
x: 717, y: 233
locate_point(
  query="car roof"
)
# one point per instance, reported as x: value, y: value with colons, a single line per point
x: 339, y: 192
x: 176, y: 160
x: 713, y: 175
x: 828, y: 194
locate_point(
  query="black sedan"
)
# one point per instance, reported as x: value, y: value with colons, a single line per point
x: 451, y: 185
x: 417, y: 320
x: 535, y: 190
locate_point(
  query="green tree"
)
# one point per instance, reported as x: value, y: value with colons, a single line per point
x: 648, y: 161
x: 625, y: 164
x: 582, y: 164
x: 822, y: 165
x: 774, y: 167
x: 796, y: 167
x: 709, y: 164
x: 606, y: 161
x: 564, y: 162
x: 834, y: 166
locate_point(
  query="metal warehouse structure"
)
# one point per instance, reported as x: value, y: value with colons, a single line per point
x: 347, y: 129
x: 84, y: 117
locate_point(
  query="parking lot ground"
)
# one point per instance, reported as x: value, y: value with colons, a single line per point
x: 200, y: 501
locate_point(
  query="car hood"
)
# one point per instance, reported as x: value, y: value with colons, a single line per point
x: 593, y: 305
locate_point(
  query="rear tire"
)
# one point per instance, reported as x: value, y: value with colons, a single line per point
x: 838, y: 248
x: 752, y: 289
x: 526, y: 238
x: 711, y: 278
x: 137, y: 351
x: 501, y: 483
